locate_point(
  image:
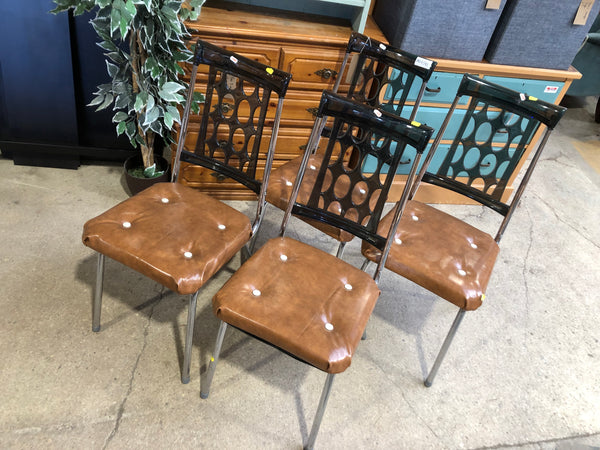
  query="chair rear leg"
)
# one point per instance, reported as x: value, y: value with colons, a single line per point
x: 444, y: 349
x: 98, y: 294
x: 340, y: 250
x: 189, y: 335
x: 205, y: 387
x: 320, y: 412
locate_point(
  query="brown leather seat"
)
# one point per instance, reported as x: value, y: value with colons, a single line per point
x: 173, y: 234
x: 290, y: 294
x: 443, y: 254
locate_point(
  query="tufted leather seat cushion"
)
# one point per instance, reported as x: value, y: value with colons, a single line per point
x: 171, y: 233
x: 441, y: 253
x: 280, y: 186
x: 302, y: 300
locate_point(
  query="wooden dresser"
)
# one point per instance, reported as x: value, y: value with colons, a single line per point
x: 311, y: 51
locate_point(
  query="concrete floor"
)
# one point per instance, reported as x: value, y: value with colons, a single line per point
x: 523, y: 371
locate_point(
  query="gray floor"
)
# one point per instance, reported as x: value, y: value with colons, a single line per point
x: 523, y: 371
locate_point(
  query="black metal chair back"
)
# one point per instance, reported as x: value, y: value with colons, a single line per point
x: 383, y: 75
x: 237, y: 97
x: 343, y: 195
x: 476, y: 166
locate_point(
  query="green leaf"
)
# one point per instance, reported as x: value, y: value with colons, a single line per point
x: 130, y: 129
x: 107, y: 101
x: 112, y: 69
x: 115, y: 19
x: 123, y: 26
x: 173, y: 112
x: 151, y: 116
x: 130, y: 8
x: 140, y: 101
x: 168, y: 120
x: 96, y: 100
x: 149, y: 171
x: 121, y: 128
x: 120, y: 117
x: 169, y: 89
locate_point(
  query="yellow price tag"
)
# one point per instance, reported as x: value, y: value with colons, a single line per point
x: 533, y: 99
x: 414, y: 123
x: 269, y: 70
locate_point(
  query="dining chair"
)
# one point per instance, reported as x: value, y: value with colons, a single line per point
x: 300, y: 299
x: 175, y: 234
x: 380, y: 76
x: 440, y: 252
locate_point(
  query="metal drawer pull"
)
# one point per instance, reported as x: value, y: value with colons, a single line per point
x: 223, y: 143
x: 433, y: 91
x: 218, y: 176
x: 225, y: 107
x: 326, y: 73
x: 313, y: 111
x: 485, y: 164
x: 405, y: 162
x: 503, y: 130
x: 302, y: 147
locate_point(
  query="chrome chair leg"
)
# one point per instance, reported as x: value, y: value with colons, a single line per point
x: 205, y: 387
x: 320, y: 412
x: 444, y: 349
x: 98, y: 294
x: 365, y: 265
x: 189, y: 335
x: 340, y: 250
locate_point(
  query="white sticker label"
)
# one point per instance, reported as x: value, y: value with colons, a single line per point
x: 382, y: 46
x: 424, y: 63
x: 551, y: 89
x: 523, y: 97
x: 377, y: 112
x: 233, y: 59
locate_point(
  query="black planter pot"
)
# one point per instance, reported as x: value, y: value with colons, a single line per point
x: 136, y: 184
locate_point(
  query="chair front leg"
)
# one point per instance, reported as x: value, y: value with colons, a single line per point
x: 98, y: 294
x: 445, y: 345
x: 205, y: 387
x: 340, y: 250
x: 189, y: 335
x: 320, y: 412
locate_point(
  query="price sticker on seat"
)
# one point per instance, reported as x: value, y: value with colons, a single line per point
x: 423, y: 62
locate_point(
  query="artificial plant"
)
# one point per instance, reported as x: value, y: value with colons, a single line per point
x: 144, y: 43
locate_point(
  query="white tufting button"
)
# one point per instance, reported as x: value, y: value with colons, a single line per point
x: 348, y: 287
x: 165, y: 200
x: 126, y: 225
x: 461, y: 272
x: 362, y: 191
x: 328, y: 327
x: 415, y: 218
x: 188, y: 255
x: 288, y: 183
x: 312, y: 167
x: 221, y: 227
x: 283, y: 257
x: 473, y: 245
x: 398, y: 241
x: 256, y: 293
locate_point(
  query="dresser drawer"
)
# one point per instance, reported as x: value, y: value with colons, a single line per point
x: 314, y: 69
x: 544, y: 90
x: 441, y: 88
x: 267, y: 54
x: 290, y: 143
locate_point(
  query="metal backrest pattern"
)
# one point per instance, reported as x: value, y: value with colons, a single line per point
x: 343, y: 195
x: 384, y: 75
x: 234, y: 112
x: 491, y: 140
